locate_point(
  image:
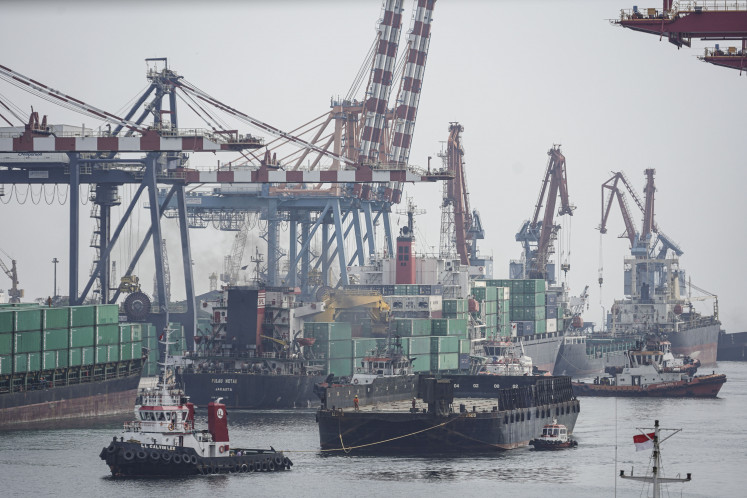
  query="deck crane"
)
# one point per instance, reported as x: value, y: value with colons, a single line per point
x: 537, y: 236
x: 643, y: 244
x: 14, y: 293
x: 232, y: 264
x: 460, y: 227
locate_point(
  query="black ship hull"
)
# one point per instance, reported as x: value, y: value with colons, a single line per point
x: 515, y: 414
x: 428, y: 433
x: 85, y: 393
x: 247, y: 391
x: 127, y: 459
x: 732, y: 347
x: 700, y: 342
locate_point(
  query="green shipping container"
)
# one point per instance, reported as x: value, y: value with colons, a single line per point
x: 6, y: 344
x: 340, y: 349
x: 75, y: 357
x: 329, y: 331
x: 82, y: 337
x: 465, y: 346
x: 49, y: 360
x: 125, y: 332
x: 444, y: 345
x: 6, y: 364
x: 420, y: 345
x: 114, y: 352
x: 540, y: 327
x: 28, y: 320
x: 137, y: 332
x: 537, y: 299
x: 411, y: 327
x: 82, y: 316
x: 28, y: 342
x: 55, y: 318
x: 421, y: 362
x: 107, y: 314
x: 444, y: 361
x: 533, y: 285
x: 6, y: 321
x: 21, y: 362
x: 364, y: 347
x: 87, y: 356
x: 102, y: 354
x: 34, y: 362
x: 449, y: 326
x: 340, y: 367
x: 56, y: 339
x: 125, y: 351
x: 62, y: 358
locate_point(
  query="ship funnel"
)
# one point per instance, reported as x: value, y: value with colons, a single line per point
x: 218, y: 421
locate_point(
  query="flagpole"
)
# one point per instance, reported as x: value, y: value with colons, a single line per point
x: 615, y: 445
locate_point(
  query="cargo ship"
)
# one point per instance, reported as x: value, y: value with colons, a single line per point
x: 266, y: 348
x: 442, y: 423
x: 732, y: 347
x: 63, y: 365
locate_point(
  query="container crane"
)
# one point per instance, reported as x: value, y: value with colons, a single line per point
x: 537, y: 236
x: 14, y: 293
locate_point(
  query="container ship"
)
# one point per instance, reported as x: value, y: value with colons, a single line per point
x: 266, y: 348
x: 64, y: 364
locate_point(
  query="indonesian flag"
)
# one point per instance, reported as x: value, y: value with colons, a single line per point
x: 644, y: 441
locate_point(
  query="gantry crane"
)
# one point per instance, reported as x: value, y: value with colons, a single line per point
x: 537, y: 236
x: 14, y: 293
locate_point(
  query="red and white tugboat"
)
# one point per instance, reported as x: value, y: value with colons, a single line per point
x: 163, y: 440
x: 554, y: 437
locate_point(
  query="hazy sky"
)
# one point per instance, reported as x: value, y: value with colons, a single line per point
x: 520, y: 76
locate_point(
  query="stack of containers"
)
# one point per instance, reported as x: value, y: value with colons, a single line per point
x: 528, y: 306
x: 493, y: 296
x: 334, y: 342
x: 36, y: 338
x: 551, y: 312
x: 454, y: 308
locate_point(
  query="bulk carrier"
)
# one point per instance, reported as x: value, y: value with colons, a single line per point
x: 65, y: 364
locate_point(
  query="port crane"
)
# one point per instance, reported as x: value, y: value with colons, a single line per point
x: 14, y: 293
x: 537, y: 236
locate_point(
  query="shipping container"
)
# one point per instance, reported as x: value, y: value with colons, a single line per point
x: 540, y: 327
x: 420, y: 345
x: 340, y: 367
x: 114, y: 352
x: 551, y: 312
x: 82, y: 337
x: 465, y: 346
x: 75, y: 357
x: 102, y: 354
x: 444, y: 361
x: 125, y: 332
x: 107, y: 314
x: 410, y: 327
x: 62, y: 358
x: 6, y: 344
x: 552, y: 324
x: 137, y: 331
x: 421, y: 362
x: 6, y: 364
x: 28, y: 319
x: 328, y: 331
x: 56, y: 339
x: 34, y: 362
x: 125, y: 351
x: 20, y: 362
x: 339, y: 349
x: 454, y: 305
x: 444, y: 345
x: 551, y: 299
x: 536, y: 299
x: 364, y: 347
x: 27, y: 342
x: 7, y: 317
x: 55, y: 318
x: 88, y: 355
x: 82, y: 316
x: 49, y: 360
x: 449, y: 326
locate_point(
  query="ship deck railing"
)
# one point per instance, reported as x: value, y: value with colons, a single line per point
x: 70, y: 376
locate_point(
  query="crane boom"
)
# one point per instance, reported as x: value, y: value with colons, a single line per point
x: 15, y: 294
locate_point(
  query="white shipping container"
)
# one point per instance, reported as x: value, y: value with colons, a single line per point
x: 552, y: 324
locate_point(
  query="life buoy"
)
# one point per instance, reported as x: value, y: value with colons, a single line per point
x: 186, y: 426
x: 221, y: 449
x: 355, y: 381
x: 278, y: 460
x: 171, y: 426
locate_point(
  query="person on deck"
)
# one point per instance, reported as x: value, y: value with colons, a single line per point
x: 355, y: 402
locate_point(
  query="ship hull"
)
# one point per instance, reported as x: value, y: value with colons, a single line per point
x: 542, y: 349
x: 573, y: 360
x: 246, y: 391
x: 732, y: 347
x: 126, y: 459
x: 706, y: 386
x: 62, y: 406
x: 388, y: 433
x: 700, y: 343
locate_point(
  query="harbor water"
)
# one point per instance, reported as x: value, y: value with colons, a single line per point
x: 711, y: 446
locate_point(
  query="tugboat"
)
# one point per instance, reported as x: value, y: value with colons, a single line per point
x: 554, y: 437
x: 163, y: 440
x: 504, y: 361
x: 651, y: 372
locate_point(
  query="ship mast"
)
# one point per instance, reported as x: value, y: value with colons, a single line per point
x: 655, y: 478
